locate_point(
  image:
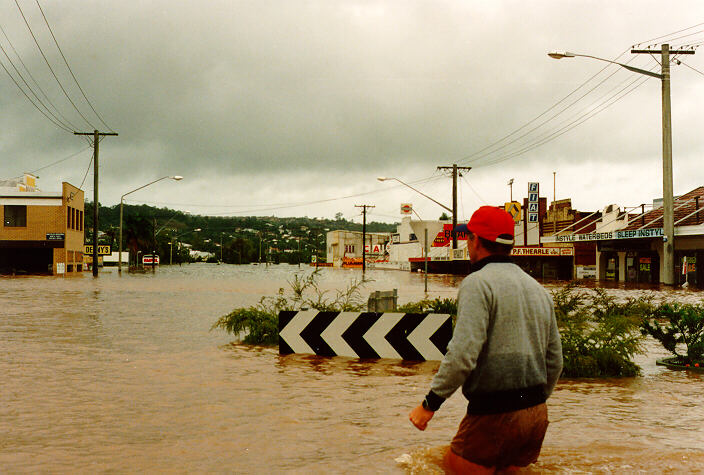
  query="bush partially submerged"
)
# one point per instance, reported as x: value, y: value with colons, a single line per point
x: 599, y: 335
x: 259, y: 327
x: 683, y: 326
x: 437, y: 305
x: 259, y: 324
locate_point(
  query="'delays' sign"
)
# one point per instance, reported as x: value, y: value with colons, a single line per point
x: 607, y: 236
x: 407, y: 336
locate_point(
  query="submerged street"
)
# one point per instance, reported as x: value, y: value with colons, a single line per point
x: 123, y: 374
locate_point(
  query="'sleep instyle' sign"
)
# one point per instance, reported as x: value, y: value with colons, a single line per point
x: 609, y: 235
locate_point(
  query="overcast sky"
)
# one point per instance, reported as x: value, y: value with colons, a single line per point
x: 294, y: 108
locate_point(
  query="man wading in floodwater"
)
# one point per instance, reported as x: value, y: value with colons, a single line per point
x: 505, y: 352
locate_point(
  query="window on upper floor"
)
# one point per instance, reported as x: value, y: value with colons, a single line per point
x: 15, y: 216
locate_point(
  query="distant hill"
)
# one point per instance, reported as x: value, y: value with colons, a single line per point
x: 244, y: 238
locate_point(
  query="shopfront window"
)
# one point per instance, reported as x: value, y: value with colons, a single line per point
x: 686, y: 268
x: 648, y: 268
x: 631, y: 267
x: 612, y: 267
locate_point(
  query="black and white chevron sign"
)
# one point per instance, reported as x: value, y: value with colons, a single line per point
x: 408, y: 336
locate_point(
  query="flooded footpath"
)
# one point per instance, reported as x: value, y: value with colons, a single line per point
x: 122, y: 374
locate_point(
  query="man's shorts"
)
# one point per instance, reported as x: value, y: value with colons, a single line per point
x: 501, y: 440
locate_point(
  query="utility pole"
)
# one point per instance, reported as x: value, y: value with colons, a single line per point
x: 510, y: 186
x: 668, y: 251
x: 455, y: 170
x: 554, y: 204
x: 96, y: 140
x: 364, y: 234
x: 154, y: 246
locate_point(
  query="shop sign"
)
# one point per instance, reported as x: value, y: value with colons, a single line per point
x: 374, y: 248
x: 444, y: 237
x: 533, y: 200
x: 55, y: 236
x: 406, y: 208
x: 396, y: 238
x: 611, y: 235
x: 586, y: 272
x: 103, y: 249
x: 689, y: 264
x: 150, y: 260
x: 542, y: 251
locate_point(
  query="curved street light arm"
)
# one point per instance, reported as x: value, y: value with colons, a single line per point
x: 567, y: 54
x: 381, y: 178
x: 122, y: 199
x: 173, y: 177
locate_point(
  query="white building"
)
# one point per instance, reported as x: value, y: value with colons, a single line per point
x: 345, y: 247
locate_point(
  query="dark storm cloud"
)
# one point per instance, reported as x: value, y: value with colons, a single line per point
x: 257, y: 89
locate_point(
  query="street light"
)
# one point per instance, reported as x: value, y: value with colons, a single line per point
x: 119, y: 258
x: 668, y: 252
x: 567, y: 54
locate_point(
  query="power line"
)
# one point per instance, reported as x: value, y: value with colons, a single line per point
x: 49, y: 65
x: 62, y: 160
x: 87, y: 170
x: 503, y: 139
x: 580, y: 120
x: 468, y: 157
x: 65, y: 122
x: 599, y: 104
x: 668, y: 35
x: 58, y: 124
x: 30, y: 87
x: 473, y: 190
x: 71, y: 71
x: 275, y: 207
x: 551, y: 118
x: 678, y: 61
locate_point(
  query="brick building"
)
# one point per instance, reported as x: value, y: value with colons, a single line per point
x: 42, y: 232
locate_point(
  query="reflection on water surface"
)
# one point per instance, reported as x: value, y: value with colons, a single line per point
x: 124, y: 374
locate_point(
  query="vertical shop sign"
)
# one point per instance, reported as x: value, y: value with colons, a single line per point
x: 533, y: 201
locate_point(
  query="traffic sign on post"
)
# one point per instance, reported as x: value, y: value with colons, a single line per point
x: 514, y: 209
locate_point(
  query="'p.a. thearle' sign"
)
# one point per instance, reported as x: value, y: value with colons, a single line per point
x: 407, y: 336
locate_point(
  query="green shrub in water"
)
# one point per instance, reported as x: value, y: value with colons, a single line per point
x: 599, y: 335
x: 683, y: 326
x: 437, y: 305
x: 260, y: 324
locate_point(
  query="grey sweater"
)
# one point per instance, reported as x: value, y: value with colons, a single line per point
x: 505, y: 351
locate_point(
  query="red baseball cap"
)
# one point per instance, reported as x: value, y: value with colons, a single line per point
x: 492, y: 224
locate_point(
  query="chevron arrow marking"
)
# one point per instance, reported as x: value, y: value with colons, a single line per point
x: 377, y: 333
x: 333, y: 334
x: 313, y: 333
x: 291, y: 333
x: 398, y: 336
x: 420, y: 337
x: 354, y: 335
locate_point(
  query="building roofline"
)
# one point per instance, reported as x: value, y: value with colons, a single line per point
x: 31, y: 194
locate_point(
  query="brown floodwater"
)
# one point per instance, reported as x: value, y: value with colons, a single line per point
x: 122, y: 374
